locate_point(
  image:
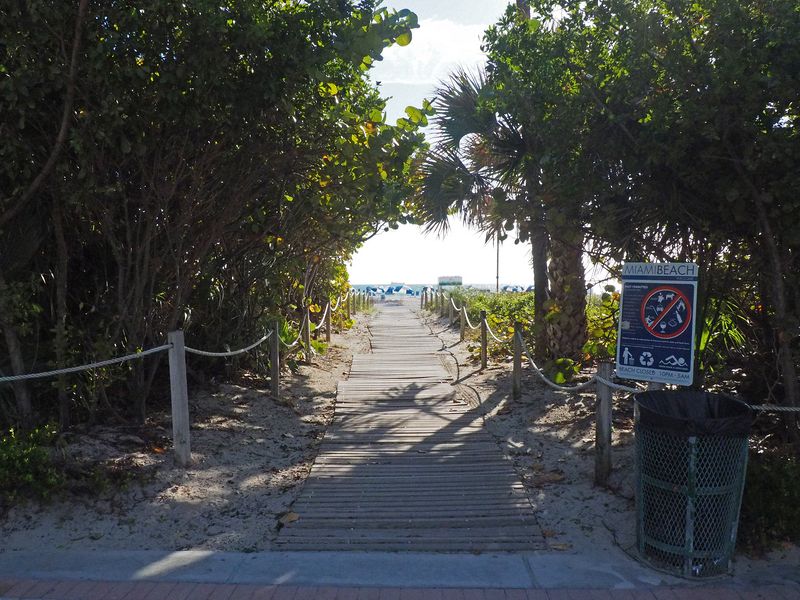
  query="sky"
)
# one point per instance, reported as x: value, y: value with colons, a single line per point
x: 449, y: 36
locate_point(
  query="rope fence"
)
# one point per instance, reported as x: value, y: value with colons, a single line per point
x: 230, y: 352
x: 177, y: 350
x: 316, y: 326
x: 462, y: 310
x: 494, y: 335
x: 340, y: 299
x: 86, y: 367
x: 469, y: 323
x: 297, y: 339
x: 602, y: 380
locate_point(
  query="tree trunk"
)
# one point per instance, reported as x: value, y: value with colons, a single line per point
x: 540, y: 288
x: 566, y: 314
x: 61, y: 312
x: 782, y: 324
x: 22, y: 393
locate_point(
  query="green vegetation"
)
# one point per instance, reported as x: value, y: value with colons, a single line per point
x: 771, y: 497
x: 602, y: 315
x: 27, y: 468
x: 639, y: 131
x: 208, y: 167
x: 211, y: 166
x: 503, y: 310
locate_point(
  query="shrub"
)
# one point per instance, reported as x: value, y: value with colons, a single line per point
x: 26, y: 464
x: 602, y: 314
x: 771, y: 500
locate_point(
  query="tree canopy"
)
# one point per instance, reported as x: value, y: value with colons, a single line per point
x: 205, y: 165
x: 646, y: 130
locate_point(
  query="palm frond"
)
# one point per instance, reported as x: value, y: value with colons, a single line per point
x: 458, y: 109
x: 449, y: 186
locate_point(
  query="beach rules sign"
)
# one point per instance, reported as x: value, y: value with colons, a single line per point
x: 655, y: 340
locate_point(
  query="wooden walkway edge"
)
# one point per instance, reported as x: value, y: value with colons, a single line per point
x: 406, y: 464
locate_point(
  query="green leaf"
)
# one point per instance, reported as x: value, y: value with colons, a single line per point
x: 414, y: 114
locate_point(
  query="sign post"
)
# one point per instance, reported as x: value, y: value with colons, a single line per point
x: 655, y: 341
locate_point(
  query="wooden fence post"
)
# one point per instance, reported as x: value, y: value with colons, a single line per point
x: 484, y: 340
x: 180, y: 399
x: 462, y: 321
x: 602, y: 436
x: 450, y: 312
x: 516, y: 380
x: 328, y: 323
x: 275, y: 360
x: 422, y: 299
x: 347, y: 304
x: 307, y: 335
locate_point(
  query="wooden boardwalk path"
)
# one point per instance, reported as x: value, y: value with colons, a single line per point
x: 406, y: 464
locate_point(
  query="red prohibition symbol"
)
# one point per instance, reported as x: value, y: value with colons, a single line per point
x: 666, y: 312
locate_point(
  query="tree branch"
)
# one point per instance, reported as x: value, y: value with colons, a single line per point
x: 66, y: 121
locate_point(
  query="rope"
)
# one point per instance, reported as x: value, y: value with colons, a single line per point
x: 339, y: 300
x: 618, y: 387
x: 489, y: 329
x: 299, y: 335
x: 555, y: 386
x: 322, y: 320
x: 231, y: 352
x: 596, y: 378
x: 773, y: 408
x: 94, y: 365
x: 294, y: 343
x: 466, y: 316
x: 453, y: 302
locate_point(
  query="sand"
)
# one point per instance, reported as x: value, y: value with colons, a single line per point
x: 251, y: 456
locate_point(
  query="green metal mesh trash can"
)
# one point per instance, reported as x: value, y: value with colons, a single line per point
x: 691, y: 458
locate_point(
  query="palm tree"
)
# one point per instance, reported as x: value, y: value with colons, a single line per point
x: 485, y: 167
x: 476, y: 169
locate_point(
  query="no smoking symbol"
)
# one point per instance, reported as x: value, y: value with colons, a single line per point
x: 666, y: 312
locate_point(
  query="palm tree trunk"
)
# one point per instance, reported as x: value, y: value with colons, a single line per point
x: 566, y: 310
x: 539, y: 244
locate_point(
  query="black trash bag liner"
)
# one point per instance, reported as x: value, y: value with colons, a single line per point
x: 690, y: 413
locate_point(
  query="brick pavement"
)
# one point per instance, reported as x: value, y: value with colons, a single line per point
x: 29, y: 589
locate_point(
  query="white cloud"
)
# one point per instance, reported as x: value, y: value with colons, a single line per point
x: 437, y: 48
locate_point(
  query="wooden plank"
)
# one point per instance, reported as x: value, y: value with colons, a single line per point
x: 406, y: 464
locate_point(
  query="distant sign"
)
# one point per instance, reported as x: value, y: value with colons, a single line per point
x: 450, y: 280
x: 656, y: 325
